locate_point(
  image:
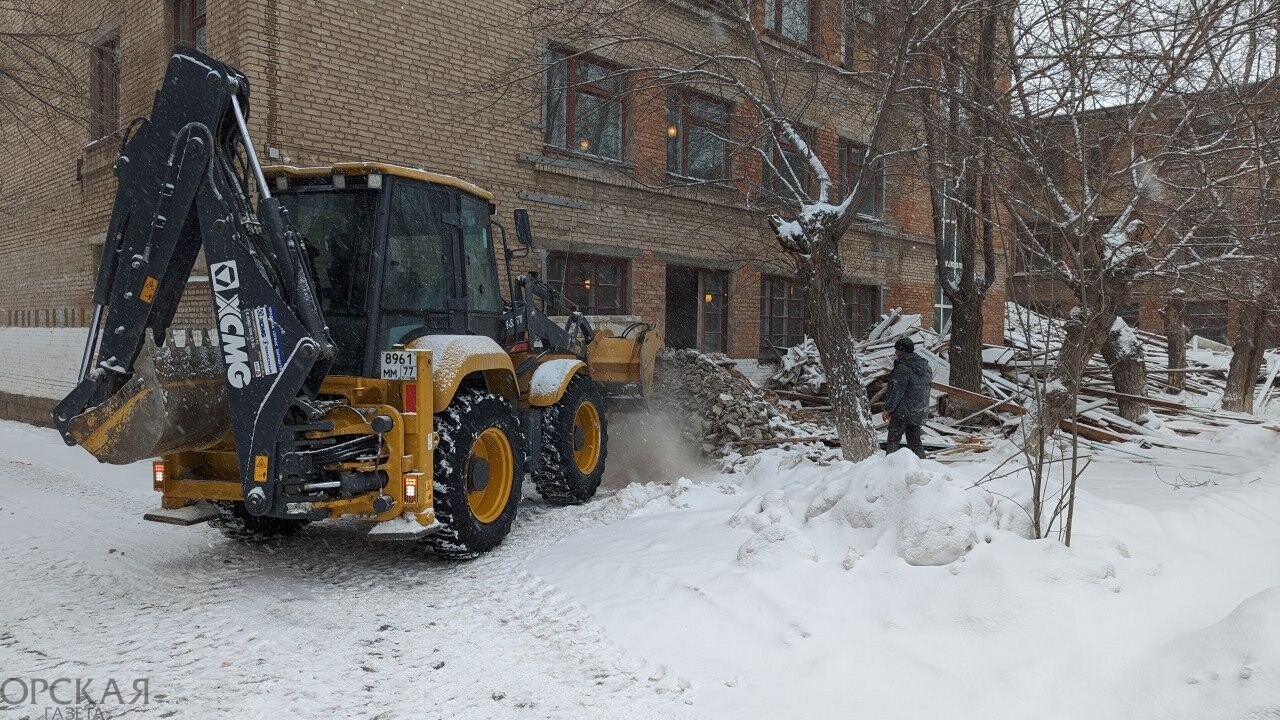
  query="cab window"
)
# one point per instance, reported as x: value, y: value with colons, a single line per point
x: 481, y: 268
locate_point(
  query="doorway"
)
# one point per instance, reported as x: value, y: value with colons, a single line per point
x: 697, y: 307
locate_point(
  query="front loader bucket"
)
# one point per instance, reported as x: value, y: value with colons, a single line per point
x: 175, y: 401
x: 624, y: 365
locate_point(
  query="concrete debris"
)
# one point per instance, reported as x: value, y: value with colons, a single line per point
x: 710, y: 403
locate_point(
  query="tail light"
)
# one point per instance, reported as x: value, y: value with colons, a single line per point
x: 411, y: 397
x: 411, y: 488
x: 157, y: 476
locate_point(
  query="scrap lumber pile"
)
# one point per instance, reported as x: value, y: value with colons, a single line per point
x: 1014, y: 374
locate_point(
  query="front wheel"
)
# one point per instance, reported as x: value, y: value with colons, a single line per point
x: 575, y: 441
x: 479, y: 471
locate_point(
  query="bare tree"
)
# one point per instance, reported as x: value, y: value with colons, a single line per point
x: 963, y: 71
x: 1106, y: 171
x: 43, y: 90
x: 778, y: 71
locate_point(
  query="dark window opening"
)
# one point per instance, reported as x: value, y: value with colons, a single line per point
x: 697, y: 309
x: 1208, y: 319
x: 583, y: 105
x: 104, y: 88
x: 852, y: 158
x: 790, y: 171
x: 594, y: 285
x: 1038, y: 256
x: 788, y: 18
x: 1129, y: 313
x: 188, y: 23
x: 862, y: 308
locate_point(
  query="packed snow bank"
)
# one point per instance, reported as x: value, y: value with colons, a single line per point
x: 899, y: 588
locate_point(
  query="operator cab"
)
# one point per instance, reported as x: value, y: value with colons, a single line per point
x: 398, y: 253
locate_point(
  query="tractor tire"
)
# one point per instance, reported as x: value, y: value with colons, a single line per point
x: 575, y: 442
x: 479, y: 473
x: 235, y: 523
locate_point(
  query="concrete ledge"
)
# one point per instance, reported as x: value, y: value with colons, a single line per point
x: 27, y: 409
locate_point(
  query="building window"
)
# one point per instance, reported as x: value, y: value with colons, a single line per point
x: 788, y: 18
x: 1208, y: 319
x: 697, y: 136
x: 1038, y: 257
x: 583, y: 105
x: 790, y: 171
x: 104, y: 87
x: 1129, y: 313
x: 188, y: 23
x: 595, y: 285
x: 858, y: 30
x: 950, y: 240
x: 782, y: 321
x: 862, y: 308
x: 852, y: 158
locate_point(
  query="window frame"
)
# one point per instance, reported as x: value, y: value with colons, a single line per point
x: 774, y: 25
x: 595, y: 262
x: 854, y: 26
x: 569, y: 60
x: 680, y: 117
x: 855, y: 295
x: 189, y: 36
x: 791, y: 299
x: 772, y: 181
x: 104, y: 87
x: 848, y: 150
x: 1028, y: 262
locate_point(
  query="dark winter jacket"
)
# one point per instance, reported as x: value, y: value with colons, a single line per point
x: 908, y: 398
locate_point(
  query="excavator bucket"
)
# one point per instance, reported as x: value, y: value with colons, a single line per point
x: 175, y: 401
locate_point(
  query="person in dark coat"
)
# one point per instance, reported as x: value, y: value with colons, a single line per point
x: 906, y: 405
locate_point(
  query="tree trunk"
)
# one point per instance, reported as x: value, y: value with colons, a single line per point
x: 1123, y: 351
x: 965, y: 355
x: 1246, y: 359
x: 1085, y: 335
x: 823, y: 302
x: 1175, y: 335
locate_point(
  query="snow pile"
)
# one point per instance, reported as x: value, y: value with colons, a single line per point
x: 908, y: 589
x: 889, y: 503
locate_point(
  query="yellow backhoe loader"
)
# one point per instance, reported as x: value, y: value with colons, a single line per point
x: 365, y: 362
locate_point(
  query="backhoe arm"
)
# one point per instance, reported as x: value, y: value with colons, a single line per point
x: 179, y: 189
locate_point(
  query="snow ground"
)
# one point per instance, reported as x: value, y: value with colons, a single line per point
x: 887, y: 589
x: 324, y: 625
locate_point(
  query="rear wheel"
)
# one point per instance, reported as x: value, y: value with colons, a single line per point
x: 236, y: 523
x: 479, y: 471
x: 575, y: 438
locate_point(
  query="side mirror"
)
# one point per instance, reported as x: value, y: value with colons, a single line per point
x: 524, y: 235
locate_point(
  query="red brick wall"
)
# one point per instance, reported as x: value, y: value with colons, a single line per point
x: 649, y: 288
x: 744, y: 312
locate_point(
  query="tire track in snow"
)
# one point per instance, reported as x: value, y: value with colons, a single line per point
x: 323, y: 623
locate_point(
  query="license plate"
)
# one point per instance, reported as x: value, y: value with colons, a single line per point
x: 398, y: 365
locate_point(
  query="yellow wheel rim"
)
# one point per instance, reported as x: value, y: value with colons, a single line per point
x: 587, y: 421
x: 494, y: 448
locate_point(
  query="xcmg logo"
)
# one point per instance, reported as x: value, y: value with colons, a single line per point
x: 226, y: 277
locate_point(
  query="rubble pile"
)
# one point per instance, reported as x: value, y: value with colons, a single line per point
x: 711, y: 404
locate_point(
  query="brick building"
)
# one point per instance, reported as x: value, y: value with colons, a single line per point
x: 395, y: 82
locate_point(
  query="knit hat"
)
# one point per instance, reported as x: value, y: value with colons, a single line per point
x: 905, y: 344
